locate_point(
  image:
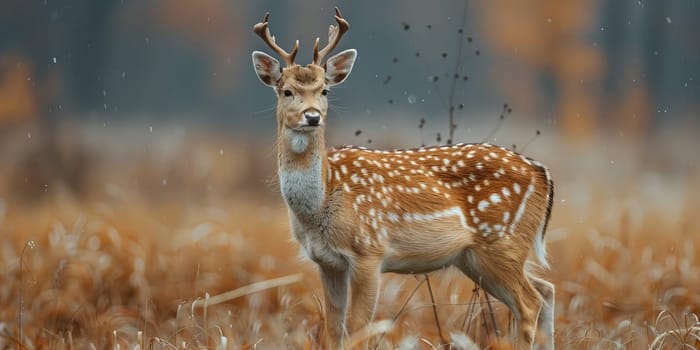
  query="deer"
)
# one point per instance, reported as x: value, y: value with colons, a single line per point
x: 359, y: 212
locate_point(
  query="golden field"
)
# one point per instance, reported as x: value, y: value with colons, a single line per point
x: 132, y: 256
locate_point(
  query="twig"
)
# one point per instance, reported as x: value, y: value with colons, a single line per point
x: 437, y: 320
x: 453, y: 85
x: 498, y: 126
x: 470, y: 309
x: 30, y: 244
x: 537, y: 134
x: 403, y: 307
x: 493, y: 318
x: 249, y: 289
x: 484, y: 320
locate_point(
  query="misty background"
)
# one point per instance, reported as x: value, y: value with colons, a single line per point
x: 83, y: 80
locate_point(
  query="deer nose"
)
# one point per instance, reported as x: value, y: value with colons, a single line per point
x: 313, y: 118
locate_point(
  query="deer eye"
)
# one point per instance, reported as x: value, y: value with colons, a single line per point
x: 324, y: 92
x: 287, y: 93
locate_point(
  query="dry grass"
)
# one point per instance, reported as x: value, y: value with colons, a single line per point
x: 133, y: 266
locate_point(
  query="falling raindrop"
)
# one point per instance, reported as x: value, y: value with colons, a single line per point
x: 411, y: 99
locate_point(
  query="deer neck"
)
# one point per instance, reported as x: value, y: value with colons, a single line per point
x: 303, y: 166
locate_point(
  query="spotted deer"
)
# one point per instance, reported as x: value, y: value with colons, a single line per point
x: 358, y: 212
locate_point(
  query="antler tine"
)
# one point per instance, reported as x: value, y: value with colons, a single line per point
x: 334, y: 35
x: 263, y: 31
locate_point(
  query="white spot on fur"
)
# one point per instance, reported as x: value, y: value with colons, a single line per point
x: 506, y: 192
x: 523, y: 204
x: 483, y: 205
x: 393, y: 217
x: 454, y: 211
x: 485, y: 229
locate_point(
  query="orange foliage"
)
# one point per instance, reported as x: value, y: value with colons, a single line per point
x: 549, y: 38
x: 17, y: 92
x: 128, y: 258
x: 210, y: 26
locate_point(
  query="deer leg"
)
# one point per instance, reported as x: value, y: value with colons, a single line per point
x: 335, y: 290
x: 504, y: 278
x: 545, y: 319
x: 364, y: 283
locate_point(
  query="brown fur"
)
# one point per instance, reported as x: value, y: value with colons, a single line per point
x: 359, y: 212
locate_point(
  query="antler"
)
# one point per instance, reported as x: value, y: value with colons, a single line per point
x: 264, y: 32
x: 334, y: 35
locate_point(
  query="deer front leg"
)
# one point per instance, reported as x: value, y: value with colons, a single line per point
x: 364, y: 282
x: 335, y: 290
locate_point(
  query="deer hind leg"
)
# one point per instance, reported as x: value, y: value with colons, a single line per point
x: 504, y: 278
x: 545, y: 319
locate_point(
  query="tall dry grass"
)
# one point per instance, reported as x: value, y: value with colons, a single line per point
x: 137, y: 262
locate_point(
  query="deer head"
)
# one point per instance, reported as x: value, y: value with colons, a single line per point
x: 302, y: 92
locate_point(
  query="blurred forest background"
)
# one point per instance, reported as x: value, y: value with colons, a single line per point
x: 611, y: 70
x: 137, y: 157
x: 586, y: 70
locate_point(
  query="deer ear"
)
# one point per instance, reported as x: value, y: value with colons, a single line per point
x: 267, y: 68
x: 339, y: 66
